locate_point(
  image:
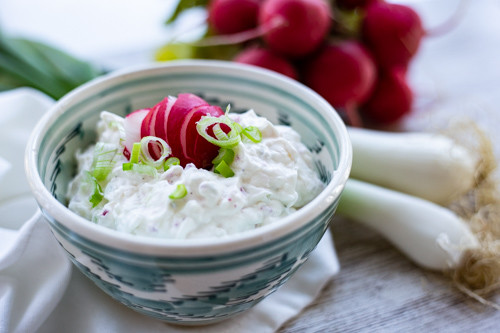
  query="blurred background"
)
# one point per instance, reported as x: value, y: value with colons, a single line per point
x: 455, y: 73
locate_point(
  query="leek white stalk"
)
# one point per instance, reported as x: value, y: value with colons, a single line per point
x: 430, y: 235
x: 427, y: 165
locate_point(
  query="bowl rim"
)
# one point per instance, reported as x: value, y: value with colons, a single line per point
x: 185, y: 247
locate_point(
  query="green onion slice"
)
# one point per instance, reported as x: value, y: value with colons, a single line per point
x: 226, y: 155
x: 253, y: 133
x: 171, y: 161
x: 97, y: 194
x: 146, y: 156
x: 222, y: 139
x: 219, y: 133
x: 136, y: 150
x: 223, y: 169
x: 144, y: 169
x: 127, y: 166
x: 179, y: 192
x: 238, y: 127
x: 103, y: 163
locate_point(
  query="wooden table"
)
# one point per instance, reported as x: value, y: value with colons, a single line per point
x: 455, y: 76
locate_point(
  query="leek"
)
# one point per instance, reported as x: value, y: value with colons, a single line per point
x: 430, y: 166
x: 430, y: 235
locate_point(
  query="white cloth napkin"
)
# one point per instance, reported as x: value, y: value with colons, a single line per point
x: 40, y: 291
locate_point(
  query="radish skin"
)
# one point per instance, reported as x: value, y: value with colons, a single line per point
x: 430, y: 235
x: 426, y: 165
x: 262, y: 57
x: 393, y: 32
x: 232, y: 16
x: 304, y: 25
x: 391, y: 99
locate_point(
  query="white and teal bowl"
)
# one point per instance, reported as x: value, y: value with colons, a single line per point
x: 188, y: 281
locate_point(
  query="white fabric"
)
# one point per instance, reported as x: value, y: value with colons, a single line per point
x: 41, y: 291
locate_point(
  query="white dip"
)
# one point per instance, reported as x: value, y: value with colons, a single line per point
x: 272, y: 179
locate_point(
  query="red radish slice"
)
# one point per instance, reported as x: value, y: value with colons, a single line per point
x: 132, y: 125
x: 153, y: 123
x: 203, y: 150
x: 148, y: 128
x: 189, y: 136
x: 184, y: 135
x: 178, y: 115
x: 164, y: 108
x: 174, y: 120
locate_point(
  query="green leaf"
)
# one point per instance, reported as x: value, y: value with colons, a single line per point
x: 184, y: 5
x: 29, y: 63
x: 68, y: 68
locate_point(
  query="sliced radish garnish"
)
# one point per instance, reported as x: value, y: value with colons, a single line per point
x: 174, y: 120
x: 183, y: 112
x: 164, y: 108
x: 132, y: 125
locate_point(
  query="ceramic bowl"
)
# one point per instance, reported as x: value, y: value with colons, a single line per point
x: 188, y: 281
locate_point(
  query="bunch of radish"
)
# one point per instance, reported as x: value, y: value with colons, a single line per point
x: 355, y: 53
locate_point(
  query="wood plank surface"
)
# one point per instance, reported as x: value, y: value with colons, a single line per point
x: 380, y: 290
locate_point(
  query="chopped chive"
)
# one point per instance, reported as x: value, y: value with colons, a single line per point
x: 222, y: 139
x: 223, y: 169
x: 179, y: 192
x: 238, y: 128
x: 97, y: 194
x: 127, y: 166
x: 226, y: 155
x: 219, y: 133
x: 171, y: 161
x: 136, y: 150
x: 253, y: 133
x: 144, y: 169
x: 161, y: 144
x: 102, y: 163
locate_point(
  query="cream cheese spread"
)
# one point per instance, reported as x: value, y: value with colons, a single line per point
x: 272, y: 179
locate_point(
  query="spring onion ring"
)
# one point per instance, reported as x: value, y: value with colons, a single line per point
x: 179, y: 192
x: 146, y: 157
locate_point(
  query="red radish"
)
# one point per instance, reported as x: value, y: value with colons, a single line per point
x: 164, y: 108
x: 184, y: 104
x: 391, y: 100
x: 265, y: 58
x: 232, y: 16
x: 174, y: 120
x: 344, y: 73
x: 196, y: 149
x: 295, y: 27
x: 393, y: 33
x: 132, y: 125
